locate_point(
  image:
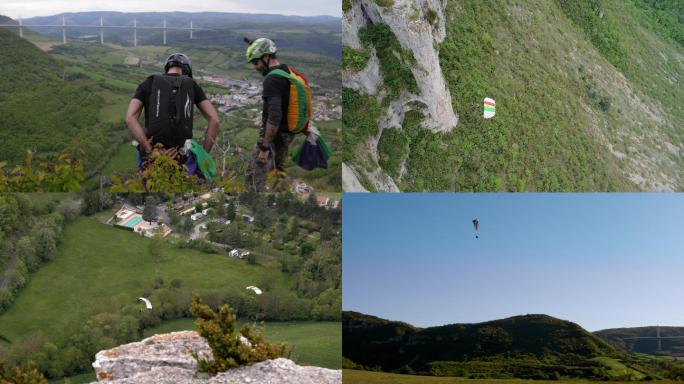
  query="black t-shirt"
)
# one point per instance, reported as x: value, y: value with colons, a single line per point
x: 277, y: 86
x: 144, y: 89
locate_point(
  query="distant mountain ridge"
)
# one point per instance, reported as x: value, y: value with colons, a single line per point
x: 529, y: 347
x: 625, y: 340
x: 315, y: 34
x: 212, y: 17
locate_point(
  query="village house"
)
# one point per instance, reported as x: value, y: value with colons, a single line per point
x: 238, y: 254
x: 130, y: 218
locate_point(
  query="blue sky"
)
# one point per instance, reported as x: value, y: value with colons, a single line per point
x: 31, y: 8
x: 600, y: 260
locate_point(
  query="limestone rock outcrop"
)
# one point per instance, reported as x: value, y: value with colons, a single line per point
x: 418, y: 26
x: 167, y: 358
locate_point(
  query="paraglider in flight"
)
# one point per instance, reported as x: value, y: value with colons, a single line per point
x: 476, y: 224
x: 147, y: 302
x: 255, y: 289
x: 489, y: 108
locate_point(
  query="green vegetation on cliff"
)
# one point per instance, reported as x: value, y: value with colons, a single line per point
x: 588, y: 98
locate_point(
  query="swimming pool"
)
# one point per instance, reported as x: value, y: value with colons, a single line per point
x: 133, y: 222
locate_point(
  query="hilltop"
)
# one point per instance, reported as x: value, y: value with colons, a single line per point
x: 588, y: 95
x: 526, y: 347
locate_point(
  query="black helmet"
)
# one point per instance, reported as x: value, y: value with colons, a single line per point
x: 179, y: 60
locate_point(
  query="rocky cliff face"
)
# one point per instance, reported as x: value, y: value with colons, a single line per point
x: 167, y: 358
x: 417, y: 25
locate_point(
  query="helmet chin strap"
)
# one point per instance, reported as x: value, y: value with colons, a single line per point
x: 264, y: 69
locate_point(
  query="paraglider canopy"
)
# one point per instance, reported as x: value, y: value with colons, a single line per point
x: 255, y: 289
x: 489, y: 108
x: 476, y: 224
x: 148, y: 304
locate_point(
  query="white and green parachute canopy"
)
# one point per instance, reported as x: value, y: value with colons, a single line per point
x: 255, y: 289
x: 148, y: 304
x: 489, y: 108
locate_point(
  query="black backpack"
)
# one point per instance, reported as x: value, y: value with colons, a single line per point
x: 171, y: 105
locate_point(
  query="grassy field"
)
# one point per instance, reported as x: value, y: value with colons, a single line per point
x: 311, y: 343
x: 102, y: 79
x: 115, y: 109
x: 78, y: 379
x: 123, y: 160
x: 41, y: 200
x: 364, y: 377
x: 99, y: 268
x: 617, y: 369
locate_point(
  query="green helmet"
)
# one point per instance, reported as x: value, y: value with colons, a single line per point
x: 260, y: 47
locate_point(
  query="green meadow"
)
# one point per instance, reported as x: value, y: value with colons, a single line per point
x: 100, y: 268
x: 350, y: 376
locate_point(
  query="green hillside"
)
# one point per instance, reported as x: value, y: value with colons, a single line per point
x: 588, y: 98
x: 526, y: 347
x: 671, y: 343
x: 45, y: 108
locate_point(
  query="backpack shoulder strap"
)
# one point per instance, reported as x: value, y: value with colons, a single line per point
x: 281, y: 73
x: 159, y: 93
x: 184, y: 103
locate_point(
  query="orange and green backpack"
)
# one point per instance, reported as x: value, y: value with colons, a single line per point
x: 299, y: 108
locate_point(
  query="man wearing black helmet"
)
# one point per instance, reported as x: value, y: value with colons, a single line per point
x: 168, y: 101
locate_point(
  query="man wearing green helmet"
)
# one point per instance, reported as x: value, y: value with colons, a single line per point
x: 274, y: 135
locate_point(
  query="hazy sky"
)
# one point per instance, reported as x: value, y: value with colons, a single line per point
x: 30, y: 8
x: 599, y: 260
